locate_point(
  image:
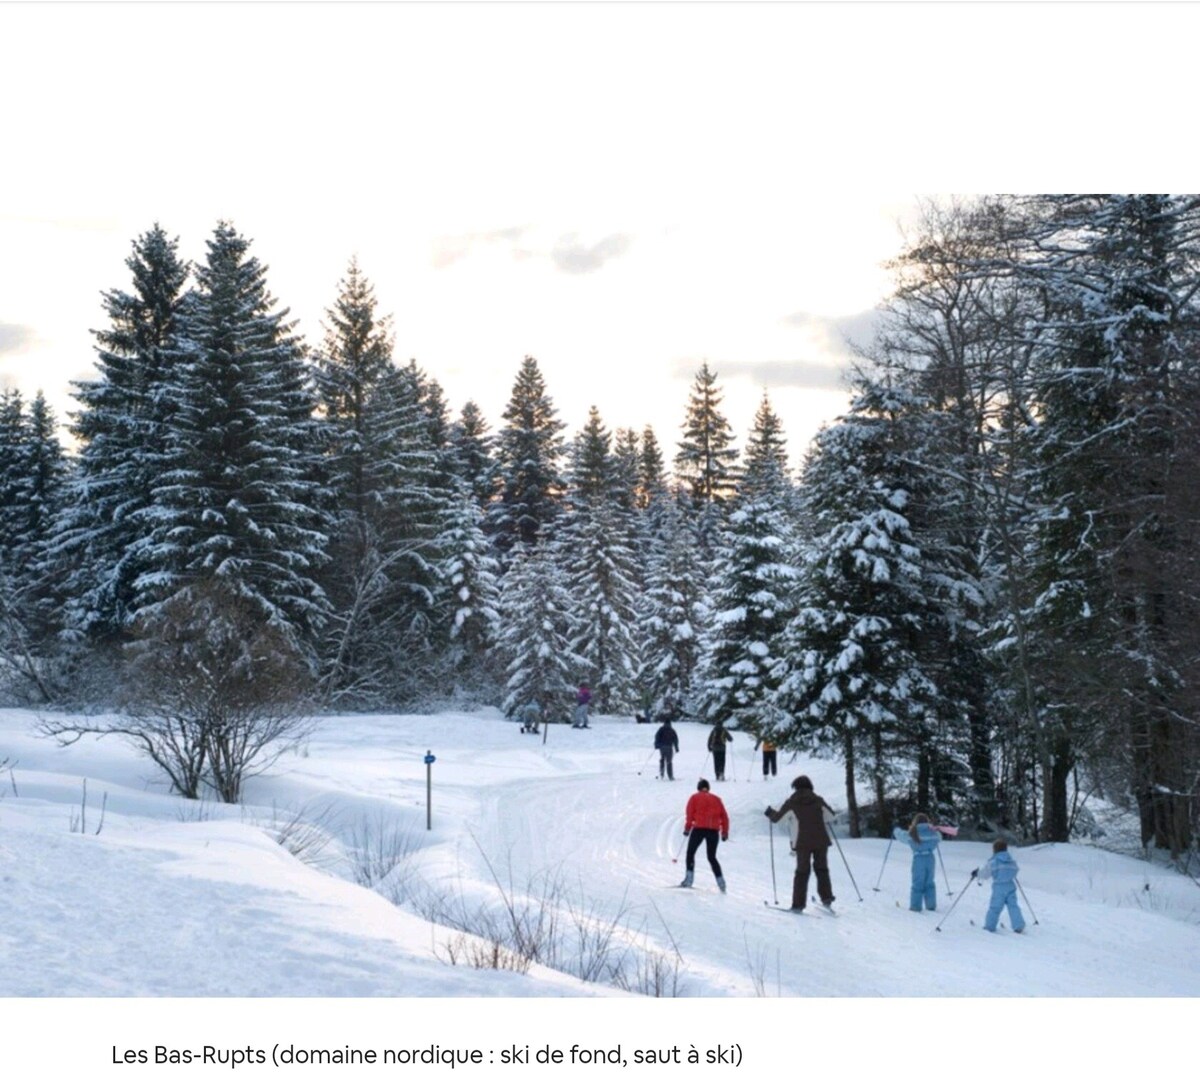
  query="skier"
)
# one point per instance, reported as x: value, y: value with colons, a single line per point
x: 1002, y: 869
x: 582, y: 700
x: 530, y: 716
x: 812, y: 844
x: 717, y: 740
x: 666, y: 741
x: 923, y: 838
x: 704, y: 820
x: 768, y: 749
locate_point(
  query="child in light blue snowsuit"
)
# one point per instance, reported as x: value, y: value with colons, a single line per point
x: 923, y: 839
x: 1001, y: 869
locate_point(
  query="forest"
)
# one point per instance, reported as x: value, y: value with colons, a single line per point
x: 979, y: 589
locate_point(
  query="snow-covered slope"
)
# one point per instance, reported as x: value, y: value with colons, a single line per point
x: 183, y: 899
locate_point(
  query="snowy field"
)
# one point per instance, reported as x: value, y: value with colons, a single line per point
x: 185, y: 899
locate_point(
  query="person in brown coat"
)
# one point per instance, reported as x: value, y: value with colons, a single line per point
x: 812, y: 841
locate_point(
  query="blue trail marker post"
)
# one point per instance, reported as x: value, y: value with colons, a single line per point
x: 429, y: 759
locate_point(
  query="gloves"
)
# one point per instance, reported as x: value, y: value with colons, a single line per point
x: 723, y: 838
x: 687, y: 831
x: 974, y: 873
x: 768, y: 811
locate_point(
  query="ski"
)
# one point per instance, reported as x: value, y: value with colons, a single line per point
x: 824, y: 909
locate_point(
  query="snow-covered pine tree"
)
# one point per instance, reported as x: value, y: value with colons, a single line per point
x: 672, y: 614
x: 750, y: 603
x: 534, y: 631
x: 472, y: 457
x: 121, y: 431
x: 597, y: 547
x: 528, y: 453
x: 706, y: 461
x: 765, y: 464
x: 1117, y: 374
x: 850, y: 675
x: 236, y: 501
x: 469, y: 578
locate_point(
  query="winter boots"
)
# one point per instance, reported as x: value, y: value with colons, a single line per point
x: 721, y: 883
x: 687, y: 879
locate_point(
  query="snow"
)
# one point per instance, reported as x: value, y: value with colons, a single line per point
x: 187, y: 899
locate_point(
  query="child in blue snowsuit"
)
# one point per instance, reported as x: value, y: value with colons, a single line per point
x: 923, y: 839
x: 1001, y: 869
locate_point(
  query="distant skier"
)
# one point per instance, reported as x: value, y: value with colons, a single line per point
x: 923, y: 838
x: 530, y: 715
x: 1001, y: 868
x: 583, y: 700
x: 666, y: 741
x: 718, y: 738
x: 768, y: 750
x: 812, y: 845
x: 704, y: 821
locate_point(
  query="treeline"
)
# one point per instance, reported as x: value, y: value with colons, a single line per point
x: 980, y: 591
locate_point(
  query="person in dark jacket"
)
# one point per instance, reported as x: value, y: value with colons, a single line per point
x: 923, y: 838
x: 718, y: 738
x: 666, y: 741
x: 812, y: 814
x: 769, y: 754
x: 705, y: 820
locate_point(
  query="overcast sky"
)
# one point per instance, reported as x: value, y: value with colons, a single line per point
x: 622, y: 191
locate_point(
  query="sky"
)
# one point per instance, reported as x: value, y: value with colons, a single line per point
x: 623, y: 192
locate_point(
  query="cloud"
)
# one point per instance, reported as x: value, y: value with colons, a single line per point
x: 14, y: 338
x: 839, y: 334
x: 447, y: 250
x: 572, y: 256
x: 774, y: 374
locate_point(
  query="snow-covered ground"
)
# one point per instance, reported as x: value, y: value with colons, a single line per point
x: 176, y: 898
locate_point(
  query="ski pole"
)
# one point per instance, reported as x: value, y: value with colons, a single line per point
x: 884, y: 866
x: 680, y: 851
x: 938, y: 927
x: 944, y: 876
x: 844, y: 862
x: 646, y: 761
x: 1028, y: 904
x: 774, y: 885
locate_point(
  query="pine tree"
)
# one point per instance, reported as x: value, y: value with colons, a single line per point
x: 852, y: 677
x: 121, y: 429
x: 528, y: 454
x: 235, y: 502
x: 765, y: 468
x: 534, y: 629
x: 469, y: 576
x: 706, y: 460
x: 672, y: 618
x: 472, y: 454
x: 749, y: 605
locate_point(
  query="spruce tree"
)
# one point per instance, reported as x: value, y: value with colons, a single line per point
x: 472, y: 453
x: 236, y: 501
x: 706, y: 461
x: 121, y: 428
x: 528, y: 453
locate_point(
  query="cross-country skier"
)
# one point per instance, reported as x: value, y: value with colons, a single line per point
x: 704, y: 821
x: 531, y: 716
x: 1001, y: 868
x: 583, y: 700
x: 666, y: 741
x: 923, y: 838
x: 718, y: 738
x: 769, y: 755
x: 812, y: 813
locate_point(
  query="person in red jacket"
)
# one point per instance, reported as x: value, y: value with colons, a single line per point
x: 705, y: 820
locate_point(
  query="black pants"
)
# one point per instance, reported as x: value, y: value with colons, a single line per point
x: 819, y: 859
x: 704, y: 835
x: 769, y: 762
x: 719, y: 763
x: 664, y: 762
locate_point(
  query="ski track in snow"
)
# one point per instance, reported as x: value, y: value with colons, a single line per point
x: 179, y: 899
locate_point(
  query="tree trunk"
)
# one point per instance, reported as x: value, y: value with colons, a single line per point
x: 851, y: 799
